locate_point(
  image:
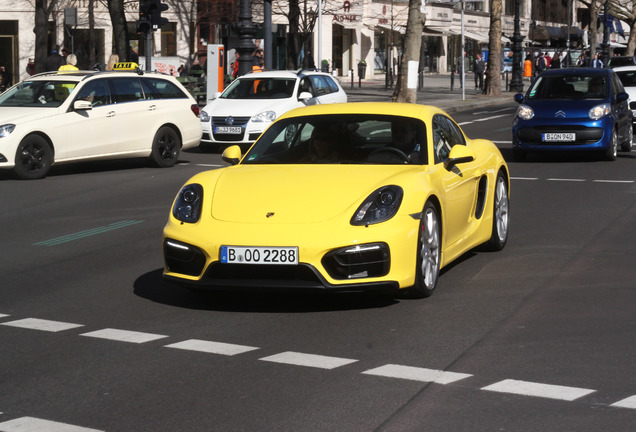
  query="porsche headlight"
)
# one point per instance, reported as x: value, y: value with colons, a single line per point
x: 187, y: 207
x: 6, y: 129
x: 265, y: 116
x: 205, y: 117
x: 380, y: 206
x: 524, y: 112
x: 600, y: 111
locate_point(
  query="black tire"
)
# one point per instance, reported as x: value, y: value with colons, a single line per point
x: 428, y: 253
x: 626, y: 145
x: 165, y: 148
x: 33, y: 159
x: 500, y: 215
x: 611, y: 152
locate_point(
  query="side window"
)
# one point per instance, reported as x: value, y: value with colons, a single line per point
x: 157, y: 88
x: 320, y: 85
x: 305, y: 86
x: 126, y: 90
x: 456, y: 134
x: 442, y: 140
x: 332, y: 85
x: 96, y: 92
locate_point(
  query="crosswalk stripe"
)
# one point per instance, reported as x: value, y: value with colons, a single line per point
x: 549, y: 391
x: 212, y: 347
x: 40, y: 324
x: 630, y: 402
x: 417, y: 374
x: 32, y: 424
x: 124, y: 335
x: 310, y: 360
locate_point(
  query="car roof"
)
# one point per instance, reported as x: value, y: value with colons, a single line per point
x: 282, y: 73
x: 80, y: 75
x: 577, y: 71
x: 625, y: 68
x: 364, y: 108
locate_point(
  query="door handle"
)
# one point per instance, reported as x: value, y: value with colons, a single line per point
x: 110, y: 114
x: 152, y: 107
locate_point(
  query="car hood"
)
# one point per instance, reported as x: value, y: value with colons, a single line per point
x: 24, y: 114
x: 570, y: 108
x: 249, y: 107
x: 296, y: 193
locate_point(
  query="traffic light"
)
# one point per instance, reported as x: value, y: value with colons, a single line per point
x: 145, y: 10
x: 155, y: 13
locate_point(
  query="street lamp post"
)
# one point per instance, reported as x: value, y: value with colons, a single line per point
x: 516, y: 83
x: 246, y: 30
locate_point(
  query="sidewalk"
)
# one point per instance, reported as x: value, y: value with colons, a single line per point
x: 436, y: 91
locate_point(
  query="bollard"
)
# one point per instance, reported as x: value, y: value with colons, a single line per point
x: 351, y: 73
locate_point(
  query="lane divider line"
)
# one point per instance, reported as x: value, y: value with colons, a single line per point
x: 550, y: 391
x: 124, y: 335
x: 212, y: 347
x: 32, y: 424
x: 309, y: 360
x: 417, y: 374
x: 42, y: 325
x: 87, y: 233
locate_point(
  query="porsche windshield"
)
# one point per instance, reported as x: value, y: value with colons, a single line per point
x: 260, y: 88
x: 48, y: 94
x: 569, y: 87
x: 342, y: 138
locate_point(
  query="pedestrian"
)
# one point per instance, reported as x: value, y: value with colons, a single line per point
x: 480, y: 68
x: 236, y: 65
x: 527, y: 68
x: 53, y: 61
x: 462, y: 68
x: 540, y: 63
x: 30, y: 67
x: 4, y: 79
x: 597, y: 62
x: 452, y: 76
x: 548, y: 59
x: 71, y: 62
x: 114, y: 58
x: 555, y: 63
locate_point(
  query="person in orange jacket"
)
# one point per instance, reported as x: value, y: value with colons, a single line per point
x: 527, y: 68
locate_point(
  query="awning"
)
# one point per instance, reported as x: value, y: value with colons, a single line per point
x: 479, y: 37
x: 348, y: 24
x: 398, y: 28
x: 437, y: 31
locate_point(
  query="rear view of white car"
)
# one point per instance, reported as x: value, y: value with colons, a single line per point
x: 60, y: 117
x: 240, y: 114
x: 627, y: 75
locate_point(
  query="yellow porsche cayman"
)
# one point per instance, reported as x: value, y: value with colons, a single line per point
x: 342, y: 197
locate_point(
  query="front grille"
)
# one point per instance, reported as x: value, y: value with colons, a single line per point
x: 584, y: 135
x: 183, y: 258
x: 236, y: 121
x: 301, y: 275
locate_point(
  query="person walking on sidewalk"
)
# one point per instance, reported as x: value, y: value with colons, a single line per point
x: 462, y: 69
x: 480, y: 68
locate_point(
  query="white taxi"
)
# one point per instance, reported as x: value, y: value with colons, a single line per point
x: 247, y: 107
x: 59, y: 117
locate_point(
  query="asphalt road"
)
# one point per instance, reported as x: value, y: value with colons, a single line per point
x: 538, y: 337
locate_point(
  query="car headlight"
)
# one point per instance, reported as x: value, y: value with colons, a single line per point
x: 187, y: 207
x: 6, y: 129
x: 205, y: 117
x: 265, y: 116
x: 380, y: 206
x: 600, y: 111
x: 524, y: 112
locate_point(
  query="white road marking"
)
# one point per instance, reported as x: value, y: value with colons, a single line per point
x: 549, y: 391
x: 212, y: 347
x: 524, y: 178
x: 310, y: 360
x: 3, y: 315
x: 630, y: 402
x: 613, y: 181
x: 40, y: 324
x: 124, y: 335
x: 483, y: 119
x: 566, y: 180
x: 417, y: 374
x: 32, y: 424
x: 210, y: 165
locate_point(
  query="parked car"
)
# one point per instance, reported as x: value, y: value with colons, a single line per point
x: 60, y: 117
x: 580, y: 109
x: 241, y: 113
x: 343, y: 197
x: 617, y: 61
x: 627, y: 75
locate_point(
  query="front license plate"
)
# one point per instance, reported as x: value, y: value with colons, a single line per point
x: 559, y: 136
x: 228, y: 130
x: 259, y: 255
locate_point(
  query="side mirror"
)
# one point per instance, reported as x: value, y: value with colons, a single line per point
x: 518, y: 98
x: 459, y: 154
x: 82, y: 105
x: 305, y: 96
x: 232, y: 155
x: 622, y: 96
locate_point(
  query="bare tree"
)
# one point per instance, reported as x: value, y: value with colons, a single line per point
x: 625, y: 10
x: 406, y: 88
x: 120, y: 28
x: 492, y: 85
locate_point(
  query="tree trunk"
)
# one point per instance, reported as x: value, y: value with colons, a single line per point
x: 492, y: 85
x: 91, y: 33
x: 120, y: 29
x: 42, y: 13
x: 406, y: 87
x: 594, y: 10
x: 631, y: 42
x: 293, y: 49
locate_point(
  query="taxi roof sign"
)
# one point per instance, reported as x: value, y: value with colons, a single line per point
x: 126, y: 66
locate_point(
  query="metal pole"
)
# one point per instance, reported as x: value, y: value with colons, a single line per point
x: 267, y: 33
x: 516, y: 83
x: 461, y: 67
x: 319, y: 32
x: 246, y: 30
x: 567, y: 46
x: 148, y: 50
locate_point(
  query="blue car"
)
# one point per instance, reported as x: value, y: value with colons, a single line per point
x: 582, y: 109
